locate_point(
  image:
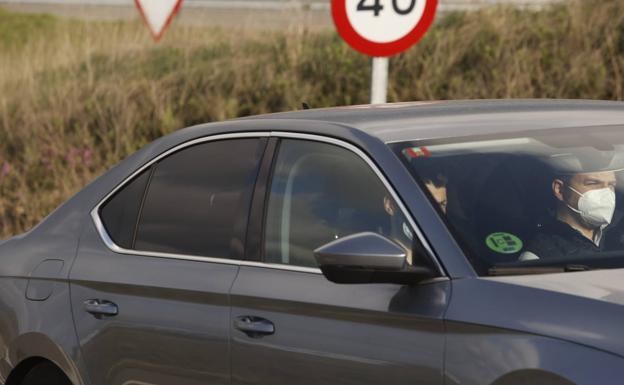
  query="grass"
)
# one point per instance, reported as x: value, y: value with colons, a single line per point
x: 76, y: 97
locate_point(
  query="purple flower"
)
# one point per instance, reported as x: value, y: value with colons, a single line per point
x: 70, y: 158
x: 5, y: 170
x: 87, y: 156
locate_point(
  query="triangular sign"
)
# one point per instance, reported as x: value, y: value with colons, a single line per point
x: 157, y: 14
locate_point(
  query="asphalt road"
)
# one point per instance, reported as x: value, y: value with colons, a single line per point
x: 223, y: 17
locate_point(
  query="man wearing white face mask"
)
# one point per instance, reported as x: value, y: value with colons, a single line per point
x: 585, y: 207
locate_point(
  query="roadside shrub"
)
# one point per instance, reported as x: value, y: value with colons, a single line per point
x: 76, y: 97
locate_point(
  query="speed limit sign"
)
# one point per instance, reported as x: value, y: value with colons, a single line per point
x: 383, y: 27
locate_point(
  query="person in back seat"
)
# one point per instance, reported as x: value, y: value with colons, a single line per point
x: 437, y: 188
x: 435, y: 180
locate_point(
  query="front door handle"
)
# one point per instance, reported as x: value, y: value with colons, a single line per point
x: 254, y: 327
x: 100, y: 308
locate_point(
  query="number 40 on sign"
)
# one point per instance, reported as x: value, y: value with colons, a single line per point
x: 382, y: 28
x: 377, y: 7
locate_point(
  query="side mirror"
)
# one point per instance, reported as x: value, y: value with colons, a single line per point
x: 367, y: 258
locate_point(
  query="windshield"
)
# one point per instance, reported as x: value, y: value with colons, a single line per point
x: 533, y: 202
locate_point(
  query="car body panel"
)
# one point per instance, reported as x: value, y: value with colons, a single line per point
x: 41, y: 345
x: 39, y: 328
x: 173, y: 320
x: 477, y: 355
x: 339, y: 334
x: 513, y: 303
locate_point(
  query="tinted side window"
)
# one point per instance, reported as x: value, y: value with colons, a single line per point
x: 119, y: 214
x: 319, y: 193
x: 198, y: 199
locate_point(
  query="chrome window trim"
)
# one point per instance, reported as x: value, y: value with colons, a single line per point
x: 279, y: 134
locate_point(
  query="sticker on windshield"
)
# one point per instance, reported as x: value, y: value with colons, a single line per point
x: 417, y: 152
x: 504, y: 243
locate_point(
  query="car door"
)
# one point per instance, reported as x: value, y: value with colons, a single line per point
x: 149, y: 288
x: 290, y: 325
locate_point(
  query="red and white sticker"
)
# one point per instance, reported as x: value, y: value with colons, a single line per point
x: 417, y: 152
x: 383, y: 27
x: 158, y: 14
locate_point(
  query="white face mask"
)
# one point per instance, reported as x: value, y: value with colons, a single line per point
x: 596, y: 207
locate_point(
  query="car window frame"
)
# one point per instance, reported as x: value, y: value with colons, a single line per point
x: 267, y: 180
x: 259, y: 202
x: 108, y: 241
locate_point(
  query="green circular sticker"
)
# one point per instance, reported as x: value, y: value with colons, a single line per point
x: 504, y: 243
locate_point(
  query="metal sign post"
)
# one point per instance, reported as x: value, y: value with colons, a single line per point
x: 379, y: 81
x: 382, y: 28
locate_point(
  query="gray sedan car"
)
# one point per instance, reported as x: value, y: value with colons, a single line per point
x: 421, y: 243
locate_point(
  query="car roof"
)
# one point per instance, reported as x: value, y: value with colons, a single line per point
x: 449, y: 119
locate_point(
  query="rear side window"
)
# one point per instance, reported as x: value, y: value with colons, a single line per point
x: 119, y: 214
x: 197, y: 202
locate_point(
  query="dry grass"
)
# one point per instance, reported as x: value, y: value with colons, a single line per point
x: 76, y: 97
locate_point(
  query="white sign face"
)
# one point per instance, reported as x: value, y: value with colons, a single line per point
x: 384, y: 21
x: 382, y: 28
x: 158, y: 14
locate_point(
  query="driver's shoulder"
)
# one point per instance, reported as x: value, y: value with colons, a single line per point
x: 553, y: 239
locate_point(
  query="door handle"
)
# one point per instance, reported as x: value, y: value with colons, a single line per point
x: 100, y: 308
x: 254, y: 327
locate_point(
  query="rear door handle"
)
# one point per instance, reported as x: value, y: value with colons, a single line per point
x: 254, y: 327
x: 100, y: 307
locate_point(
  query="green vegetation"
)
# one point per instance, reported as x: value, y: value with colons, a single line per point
x: 18, y: 29
x: 76, y: 97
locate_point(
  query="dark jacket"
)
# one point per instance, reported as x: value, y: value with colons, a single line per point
x: 557, y: 239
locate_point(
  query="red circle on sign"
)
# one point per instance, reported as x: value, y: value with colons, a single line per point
x: 371, y: 48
